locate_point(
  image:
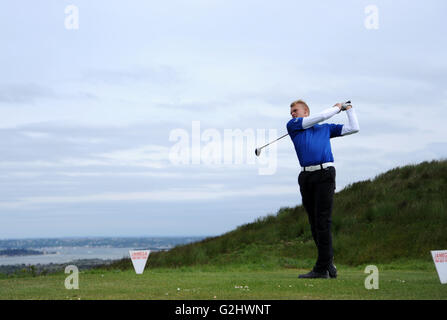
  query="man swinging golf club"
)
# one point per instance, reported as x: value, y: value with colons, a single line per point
x: 317, y: 176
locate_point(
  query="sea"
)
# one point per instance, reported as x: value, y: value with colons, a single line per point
x: 63, y: 250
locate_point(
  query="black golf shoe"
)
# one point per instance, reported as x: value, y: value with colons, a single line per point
x: 315, y: 275
x: 332, y: 270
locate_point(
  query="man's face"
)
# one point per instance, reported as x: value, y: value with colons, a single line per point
x: 299, y: 111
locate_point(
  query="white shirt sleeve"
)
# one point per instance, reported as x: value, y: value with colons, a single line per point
x: 353, y: 125
x: 322, y: 116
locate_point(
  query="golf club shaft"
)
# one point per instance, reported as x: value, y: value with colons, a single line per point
x: 273, y: 141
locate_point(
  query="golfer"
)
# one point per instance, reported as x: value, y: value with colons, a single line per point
x: 317, y: 176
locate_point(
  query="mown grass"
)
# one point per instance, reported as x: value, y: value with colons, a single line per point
x: 398, y: 216
x: 226, y: 282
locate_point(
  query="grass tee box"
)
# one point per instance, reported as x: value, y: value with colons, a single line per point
x: 225, y: 283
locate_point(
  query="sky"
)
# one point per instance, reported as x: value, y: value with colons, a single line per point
x: 97, y: 102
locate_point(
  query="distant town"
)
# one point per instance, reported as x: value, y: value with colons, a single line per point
x: 154, y: 243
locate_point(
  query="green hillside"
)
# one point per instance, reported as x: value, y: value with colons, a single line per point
x: 398, y: 216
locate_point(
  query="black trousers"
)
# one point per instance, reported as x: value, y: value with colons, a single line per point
x: 317, y: 190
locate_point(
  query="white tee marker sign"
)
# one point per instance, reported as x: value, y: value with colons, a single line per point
x: 139, y: 258
x: 440, y: 260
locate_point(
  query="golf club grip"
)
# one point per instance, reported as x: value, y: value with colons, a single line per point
x: 345, y: 105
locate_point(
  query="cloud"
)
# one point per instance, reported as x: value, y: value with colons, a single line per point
x: 31, y: 93
x: 203, y: 193
x: 161, y: 75
x: 24, y: 93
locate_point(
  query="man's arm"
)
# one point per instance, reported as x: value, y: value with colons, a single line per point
x: 353, y: 125
x: 322, y: 116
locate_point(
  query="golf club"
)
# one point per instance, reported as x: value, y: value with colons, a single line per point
x: 258, y: 150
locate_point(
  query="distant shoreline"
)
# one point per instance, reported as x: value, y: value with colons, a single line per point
x: 38, y: 269
x: 22, y: 252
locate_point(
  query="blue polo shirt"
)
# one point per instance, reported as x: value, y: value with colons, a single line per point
x: 312, y: 145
